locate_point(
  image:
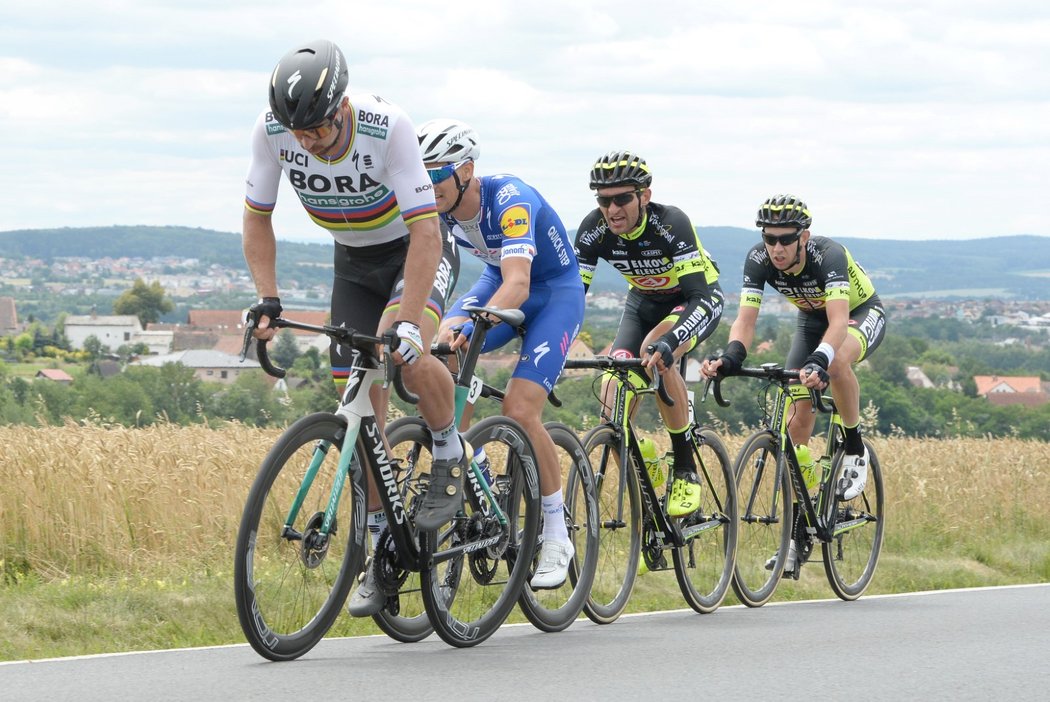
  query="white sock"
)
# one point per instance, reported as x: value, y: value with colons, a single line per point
x: 447, y: 446
x: 554, y: 518
x: 376, y: 524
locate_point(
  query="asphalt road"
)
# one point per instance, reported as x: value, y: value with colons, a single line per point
x: 981, y: 644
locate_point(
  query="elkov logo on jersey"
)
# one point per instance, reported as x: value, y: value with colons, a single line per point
x: 515, y: 222
x: 651, y: 281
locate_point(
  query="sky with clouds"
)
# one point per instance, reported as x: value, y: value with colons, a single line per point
x: 901, y: 119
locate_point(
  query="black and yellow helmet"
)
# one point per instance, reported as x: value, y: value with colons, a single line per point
x: 620, y: 168
x: 784, y: 211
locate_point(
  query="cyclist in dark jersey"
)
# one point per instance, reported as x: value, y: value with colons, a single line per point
x: 840, y: 322
x: 673, y: 302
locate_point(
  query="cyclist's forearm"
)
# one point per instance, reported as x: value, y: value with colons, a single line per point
x: 260, y: 252
x: 421, y: 264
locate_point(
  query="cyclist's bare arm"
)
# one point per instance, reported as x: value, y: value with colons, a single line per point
x: 260, y: 253
x: 421, y: 264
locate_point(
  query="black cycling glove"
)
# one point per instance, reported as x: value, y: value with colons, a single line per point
x: 267, y: 306
x: 732, y: 358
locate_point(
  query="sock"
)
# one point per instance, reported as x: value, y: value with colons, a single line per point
x: 682, y: 447
x: 554, y: 518
x: 853, y: 445
x: 447, y: 446
x: 376, y: 524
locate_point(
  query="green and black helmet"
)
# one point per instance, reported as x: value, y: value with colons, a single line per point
x: 620, y: 168
x: 784, y: 211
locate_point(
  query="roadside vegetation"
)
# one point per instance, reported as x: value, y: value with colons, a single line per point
x: 117, y: 539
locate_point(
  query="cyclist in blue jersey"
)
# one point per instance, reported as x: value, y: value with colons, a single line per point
x: 531, y: 266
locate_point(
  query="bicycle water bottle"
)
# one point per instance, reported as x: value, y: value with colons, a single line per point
x: 652, y: 461
x: 810, y: 473
x: 483, y: 463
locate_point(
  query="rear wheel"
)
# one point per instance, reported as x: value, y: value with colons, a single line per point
x: 297, y: 552
x: 852, y: 555
x: 554, y: 610
x: 620, y: 525
x: 481, y: 563
x: 704, y: 565
x: 764, y: 493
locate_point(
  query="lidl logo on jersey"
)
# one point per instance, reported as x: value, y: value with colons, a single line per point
x: 515, y: 222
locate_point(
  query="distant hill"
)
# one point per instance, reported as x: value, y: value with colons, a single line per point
x: 1008, y: 266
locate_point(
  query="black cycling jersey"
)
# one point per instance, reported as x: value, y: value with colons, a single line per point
x: 662, y: 259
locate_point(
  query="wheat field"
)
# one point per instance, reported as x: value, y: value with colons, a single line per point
x: 89, y: 499
x: 104, y: 529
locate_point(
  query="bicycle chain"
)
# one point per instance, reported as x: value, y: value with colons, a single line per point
x: 652, y: 553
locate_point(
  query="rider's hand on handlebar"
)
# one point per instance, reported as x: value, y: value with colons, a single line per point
x: 410, y: 348
x: 260, y: 314
x: 658, y: 356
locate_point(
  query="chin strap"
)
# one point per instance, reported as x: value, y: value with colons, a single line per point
x: 461, y: 188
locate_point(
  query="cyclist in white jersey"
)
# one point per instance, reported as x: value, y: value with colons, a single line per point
x: 354, y: 163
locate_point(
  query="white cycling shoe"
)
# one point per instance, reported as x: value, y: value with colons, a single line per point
x: 854, y: 475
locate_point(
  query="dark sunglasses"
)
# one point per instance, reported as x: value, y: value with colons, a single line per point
x: 442, y: 173
x: 783, y: 239
x: 319, y: 131
x: 620, y: 200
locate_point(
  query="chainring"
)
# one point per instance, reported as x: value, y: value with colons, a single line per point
x: 389, y: 574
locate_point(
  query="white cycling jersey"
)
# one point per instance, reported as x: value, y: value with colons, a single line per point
x: 367, y: 194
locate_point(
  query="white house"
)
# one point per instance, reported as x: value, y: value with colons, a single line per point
x: 213, y: 366
x: 112, y: 330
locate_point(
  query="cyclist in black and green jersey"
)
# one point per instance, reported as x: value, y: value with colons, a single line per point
x: 673, y: 302
x: 840, y: 322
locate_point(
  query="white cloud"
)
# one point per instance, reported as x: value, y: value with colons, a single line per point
x: 139, y: 112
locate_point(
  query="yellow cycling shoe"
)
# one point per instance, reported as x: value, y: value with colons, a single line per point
x: 685, y: 494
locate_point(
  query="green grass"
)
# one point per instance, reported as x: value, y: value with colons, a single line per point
x: 85, y: 615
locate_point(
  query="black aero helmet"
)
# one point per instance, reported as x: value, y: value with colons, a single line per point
x: 620, y: 168
x: 784, y: 211
x: 307, y: 84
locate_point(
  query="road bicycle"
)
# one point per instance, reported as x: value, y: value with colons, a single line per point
x: 403, y: 617
x: 301, y: 542
x: 776, y: 506
x: 633, y: 519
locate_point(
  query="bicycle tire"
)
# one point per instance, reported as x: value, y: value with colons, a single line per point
x: 704, y: 565
x: 404, y: 617
x: 852, y: 555
x: 288, y: 590
x: 467, y: 598
x: 555, y: 610
x: 620, y: 535
x: 766, y: 510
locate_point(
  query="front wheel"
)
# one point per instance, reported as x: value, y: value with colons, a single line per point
x: 764, y: 493
x: 301, y: 540
x: 480, y: 562
x: 704, y: 565
x: 554, y: 610
x: 852, y: 555
x: 619, y: 525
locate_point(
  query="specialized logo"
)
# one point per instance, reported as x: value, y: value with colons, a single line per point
x: 540, y: 351
x: 515, y: 222
x: 293, y: 80
x: 378, y: 450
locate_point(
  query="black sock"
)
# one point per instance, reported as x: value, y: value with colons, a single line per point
x: 682, y: 446
x: 853, y: 445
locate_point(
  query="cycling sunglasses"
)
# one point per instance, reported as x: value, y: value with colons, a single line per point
x: 440, y: 174
x: 783, y: 239
x: 620, y: 199
x: 320, y: 131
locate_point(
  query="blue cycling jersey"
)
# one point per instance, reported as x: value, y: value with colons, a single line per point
x: 515, y: 220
